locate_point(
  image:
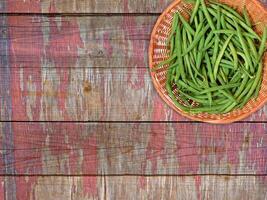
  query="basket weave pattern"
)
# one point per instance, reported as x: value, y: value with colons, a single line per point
x: 159, y: 51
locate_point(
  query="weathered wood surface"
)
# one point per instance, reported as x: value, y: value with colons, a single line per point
x: 87, y: 94
x: 94, y: 68
x: 80, y: 69
x: 136, y: 187
x: 85, y: 6
x: 133, y: 148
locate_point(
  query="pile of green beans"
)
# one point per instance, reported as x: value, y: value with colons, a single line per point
x: 216, y: 59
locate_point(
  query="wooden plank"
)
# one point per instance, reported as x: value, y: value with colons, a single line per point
x: 81, y: 6
x: 88, y: 94
x: 6, y: 136
x: 67, y: 42
x: 135, y: 148
x: 140, y: 187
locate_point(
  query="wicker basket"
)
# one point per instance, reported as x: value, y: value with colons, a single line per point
x: 158, y: 51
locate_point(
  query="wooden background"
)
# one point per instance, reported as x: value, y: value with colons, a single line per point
x: 80, y: 119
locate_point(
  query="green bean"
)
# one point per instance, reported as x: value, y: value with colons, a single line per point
x: 218, y: 60
x: 200, y: 54
x: 217, y: 102
x: 174, y: 26
x: 186, y: 59
x: 193, y: 85
x: 206, y: 84
x: 179, y: 105
x: 172, y: 45
x: 217, y: 39
x: 243, y: 69
x: 236, y: 77
x: 207, y: 59
x: 183, y: 84
x: 209, y: 38
x: 173, y: 75
x: 205, y: 109
x: 256, y: 94
x: 242, y: 86
x: 195, y: 69
x: 207, y: 15
x: 246, y: 68
x: 226, y: 66
x: 195, y: 10
x: 226, y: 71
x: 235, y: 41
x: 228, y: 95
x: 263, y: 43
x: 196, y: 40
x: 245, y: 48
x: 229, y: 9
x: 231, y: 17
x: 216, y: 49
x: 252, y: 47
x: 198, y: 28
x: 208, y: 45
x: 227, y: 62
x: 173, y: 65
x: 179, y: 51
x: 201, y: 16
x: 223, y: 22
x: 189, y: 36
x: 255, y: 84
x: 242, y: 23
x: 229, y: 107
x: 178, y: 74
x: 222, y: 87
x: 186, y: 25
x: 192, y: 98
x: 245, y: 14
x: 246, y: 89
x: 234, y: 53
x: 164, y: 62
x: 218, y: 25
x: 229, y: 32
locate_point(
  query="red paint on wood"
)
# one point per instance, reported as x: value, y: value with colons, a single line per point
x: 156, y: 144
x: 187, y: 154
x: 257, y: 157
x: 107, y: 45
x: 23, y: 138
x: 66, y: 140
x: 90, y: 166
x: 62, y: 50
x: 132, y: 29
x: 21, y: 79
x: 2, y: 189
x: 142, y: 182
x: 198, y: 187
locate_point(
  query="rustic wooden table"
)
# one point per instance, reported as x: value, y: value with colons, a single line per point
x: 80, y: 118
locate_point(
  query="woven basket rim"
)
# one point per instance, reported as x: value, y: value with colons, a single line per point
x: 169, y: 101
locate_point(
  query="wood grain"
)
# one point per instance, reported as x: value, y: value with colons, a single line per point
x: 88, y: 94
x: 81, y: 6
x: 133, y: 148
x: 84, y: 42
x: 139, y: 187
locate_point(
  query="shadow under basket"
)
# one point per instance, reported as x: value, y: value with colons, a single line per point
x: 159, y: 51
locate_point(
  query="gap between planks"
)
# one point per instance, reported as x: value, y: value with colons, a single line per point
x: 132, y: 122
x: 132, y: 175
x: 79, y: 14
